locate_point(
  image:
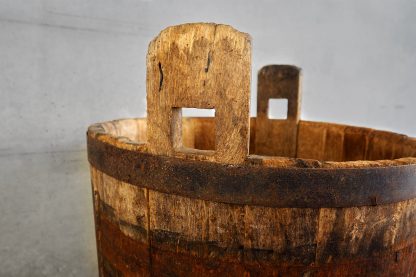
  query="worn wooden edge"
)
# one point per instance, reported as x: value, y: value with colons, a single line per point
x: 98, y: 131
x: 251, y: 183
x: 184, y: 25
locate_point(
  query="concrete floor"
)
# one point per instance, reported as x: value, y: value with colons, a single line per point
x: 46, y: 222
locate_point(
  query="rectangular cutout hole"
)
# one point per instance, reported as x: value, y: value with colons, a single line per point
x: 193, y: 112
x: 278, y: 108
x: 198, y: 133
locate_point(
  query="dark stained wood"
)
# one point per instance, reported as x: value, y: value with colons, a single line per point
x: 303, y: 185
x: 278, y: 82
x: 204, y: 238
x: 311, y: 142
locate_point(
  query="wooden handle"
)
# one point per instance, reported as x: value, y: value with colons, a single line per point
x: 201, y: 65
x: 275, y: 136
x: 279, y: 82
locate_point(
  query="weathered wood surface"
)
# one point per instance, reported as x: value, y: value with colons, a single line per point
x: 142, y: 231
x: 265, y: 182
x: 199, y: 66
x: 278, y: 82
x: 341, y: 203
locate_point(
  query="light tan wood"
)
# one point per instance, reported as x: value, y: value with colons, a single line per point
x: 199, y: 66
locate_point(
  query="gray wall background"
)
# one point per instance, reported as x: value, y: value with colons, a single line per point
x: 67, y: 64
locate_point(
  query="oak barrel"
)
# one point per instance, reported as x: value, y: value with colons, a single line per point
x: 238, y: 196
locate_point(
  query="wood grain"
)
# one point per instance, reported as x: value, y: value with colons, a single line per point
x: 205, y: 66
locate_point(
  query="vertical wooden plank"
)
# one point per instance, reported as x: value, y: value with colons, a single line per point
x: 348, y: 233
x: 334, y: 143
x: 280, y: 236
x: 95, y: 184
x: 311, y: 140
x: 195, y: 237
x: 205, y: 133
x: 355, y: 143
x: 399, y: 147
x: 121, y: 209
x: 183, y: 216
x: 381, y: 145
x: 127, y: 205
x: 201, y: 65
x: 276, y: 137
x: 409, y: 147
x: 175, y: 223
x: 226, y: 226
x: 226, y: 238
x: 188, y: 132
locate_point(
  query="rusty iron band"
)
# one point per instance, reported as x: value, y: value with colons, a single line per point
x: 256, y: 185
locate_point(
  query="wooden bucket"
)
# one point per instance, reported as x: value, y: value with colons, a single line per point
x: 234, y: 196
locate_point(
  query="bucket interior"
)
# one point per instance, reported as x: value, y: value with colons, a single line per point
x: 315, y: 140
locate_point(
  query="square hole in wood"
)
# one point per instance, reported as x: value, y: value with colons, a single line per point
x: 198, y: 134
x: 278, y: 108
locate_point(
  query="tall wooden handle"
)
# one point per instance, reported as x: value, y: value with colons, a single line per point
x: 279, y: 82
x: 275, y: 136
x: 201, y: 65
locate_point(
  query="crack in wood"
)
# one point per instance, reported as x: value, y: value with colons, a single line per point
x: 208, y: 62
x: 161, y: 77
